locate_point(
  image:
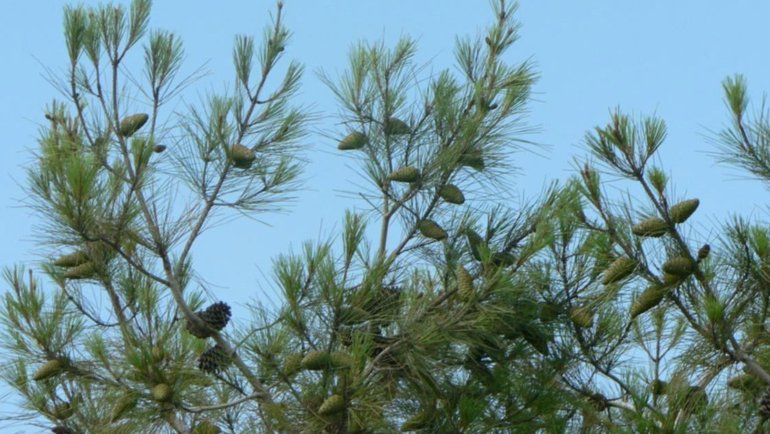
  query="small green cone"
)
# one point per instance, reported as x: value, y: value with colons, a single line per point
x: 465, y: 287
x: 162, y: 392
x: 339, y: 359
x: 332, y: 405
x: 49, y: 369
x: 353, y: 141
x: 83, y: 271
x: 431, y: 229
x: 158, y: 353
x: 405, y: 174
x: 473, y: 159
x: 316, y: 361
x: 619, y: 270
x: 395, y: 126
x: 131, y: 124
x: 72, y: 260
x: 679, y: 266
x: 648, y: 299
x: 241, y: 156
x: 451, y: 194
x: 292, y: 364
x: 683, y: 210
x: 672, y: 279
x: 582, y: 317
x: 652, y: 227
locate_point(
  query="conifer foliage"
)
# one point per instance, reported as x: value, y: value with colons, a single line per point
x: 575, y: 312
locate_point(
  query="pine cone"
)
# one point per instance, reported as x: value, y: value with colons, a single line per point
x: 452, y: 194
x: 354, y: 140
x: 405, y: 174
x: 395, y: 126
x: 683, y: 210
x: 61, y: 429
x: 49, y: 369
x: 131, y: 124
x: 332, y: 405
x: 213, y: 360
x: 242, y: 156
x: 431, y: 229
x: 703, y: 252
x: 216, y: 316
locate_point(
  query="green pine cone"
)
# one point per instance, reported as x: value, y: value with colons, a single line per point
x: 131, y: 124
x: 473, y: 159
x: 679, y: 266
x: 648, y: 299
x: 652, y: 227
x: 395, y: 126
x: 431, y: 229
x: 451, y: 194
x: 162, y: 392
x: 72, y: 259
x: 332, y: 405
x: 339, y: 359
x: 465, y: 287
x: 582, y: 317
x: 316, y: 361
x: 49, y: 369
x: 683, y: 210
x: 241, y: 156
x: 619, y: 270
x: 405, y: 174
x: 292, y: 364
x: 86, y: 270
x: 354, y: 140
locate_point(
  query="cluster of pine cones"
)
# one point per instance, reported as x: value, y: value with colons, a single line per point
x: 215, y: 318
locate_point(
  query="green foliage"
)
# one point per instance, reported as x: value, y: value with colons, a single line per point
x: 575, y: 312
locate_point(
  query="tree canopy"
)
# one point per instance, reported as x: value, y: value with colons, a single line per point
x: 438, y: 309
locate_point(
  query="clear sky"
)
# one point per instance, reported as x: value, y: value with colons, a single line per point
x: 656, y: 56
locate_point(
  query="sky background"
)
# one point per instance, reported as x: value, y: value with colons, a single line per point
x: 653, y: 57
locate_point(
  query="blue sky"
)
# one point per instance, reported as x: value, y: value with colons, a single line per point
x: 661, y: 57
